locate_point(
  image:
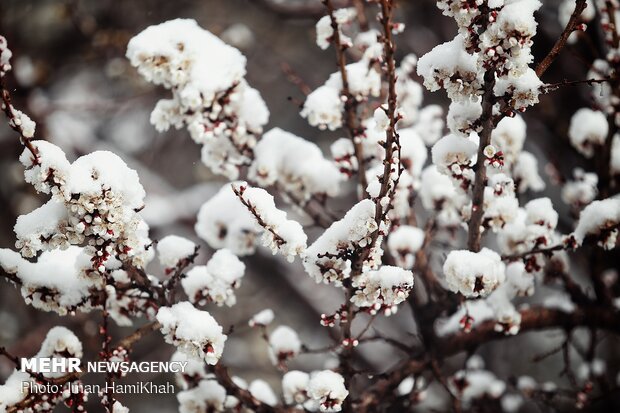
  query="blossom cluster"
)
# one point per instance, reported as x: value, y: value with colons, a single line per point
x: 209, y: 93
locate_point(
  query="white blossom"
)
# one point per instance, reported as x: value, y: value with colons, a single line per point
x: 192, y: 331
x: 474, y: 274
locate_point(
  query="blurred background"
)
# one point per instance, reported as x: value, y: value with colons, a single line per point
x: 71, y: 76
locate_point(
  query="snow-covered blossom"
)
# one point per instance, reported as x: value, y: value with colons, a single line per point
x: 215, y: 282
x: 507, y: 40
x: 600, y: 220
x: 452, y: 149
x: 382, y: 289
x: 223, y: 222
x: 60, y: 343
x: 172, y: 249
x: 602, y: 93
x: 325, y: 31
x: 68, y: 290
x: 588, y: 130
x: 470, y: 385
x: 262, y: 391
x: 474, y: 274
x: 209, y: 93
x: 381, y: 119
x: 280, y: 234
x: 521, y: 91
x: 192, y: 331
x: 430, y: 124
x: 328, y: 259
x: 500, y: 204
x: 284, y: 344
x: 195, y: 370
x: 295, y: 387
x: 323, y: 108
x: 540, y: 212
x: 413, y: 152
x: 94, y: 202
x: 403, y: 243
x: 262, y: 318
x: 408, y: 92
x: 364, y: 81
x: 525, y: 173
x: 450, y: 66
x: 22, y: 121
x: 509, y: 137
x: 455, y: 156
x: 326, y: 388
x: 463, y: 117
x: 117, y: 407
x: 5, y: 56
x: 12, y: 391
x: 294, y: 164
x: 439, y: 194
x: 207, y: 396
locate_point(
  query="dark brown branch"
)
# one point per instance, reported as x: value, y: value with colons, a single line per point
x: 354, y: 130
x: 542, y: 67
x: 293, y: 77
x: 477, y: 207
x: 554, y: 86
x: 9, y: 110
x: 533, y: 319
x: 138, y: 335
x: 239, y: 192
x: 243, y: 395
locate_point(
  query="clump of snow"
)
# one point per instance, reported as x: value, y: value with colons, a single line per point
x: 263, y: 392
x: 94, y: 202
x: 223, y: 222
x: 474, y: 274
x: 471, y: 385
x: 215, y: 282
x: 209, y: 94
x: 207, y: 396
x: 451, y: 67
x: 284, y: 344
x: 326, y: 389
x: 69, y: 289
x: 295, y: 164
x: 325, y: 31
x: 262, y: 318
x: 192, y: 331
x: 600, y: 220
x: 280, y: 234
x: 525, y: 173
x: 328, y: 258
x: 588, y: 130
x: 403, y: 243
x: 382, y: 289
x: 323, y: 108
x: 172, y: 249
x: 294, y: 387
x: 581, y: 190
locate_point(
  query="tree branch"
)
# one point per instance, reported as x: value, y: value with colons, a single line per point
x: 542, y: 67
x: 477, y: 207
x: 354, y: 130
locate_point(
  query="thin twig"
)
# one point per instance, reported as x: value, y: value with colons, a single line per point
x: 542, y: 67
x: 353, y: 128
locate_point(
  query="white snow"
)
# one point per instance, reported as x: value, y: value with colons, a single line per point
x: 192, y: 331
